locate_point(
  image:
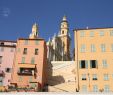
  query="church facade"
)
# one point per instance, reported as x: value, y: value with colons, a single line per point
x: 58, y: 47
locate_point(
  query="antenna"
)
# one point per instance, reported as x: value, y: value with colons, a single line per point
x: 87, y: 27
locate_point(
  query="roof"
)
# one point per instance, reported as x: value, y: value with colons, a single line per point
x: 91, y: 28
x: 8, y: 41
x: 30, y: 39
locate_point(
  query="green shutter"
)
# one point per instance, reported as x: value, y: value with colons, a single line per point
x: 23, y: 59
x: 96, y: 64
x: 36, y: 42
x: 86, y: 63
x: 79, y: 63
x: 90, y: 64
x: 30, y: 79
x: 32, y: 60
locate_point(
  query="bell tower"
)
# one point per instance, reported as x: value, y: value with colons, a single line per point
x: 64, y: 26
x: 65, y: 38
x: 34, y: 33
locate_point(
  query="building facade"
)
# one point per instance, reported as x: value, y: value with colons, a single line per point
x: 59, y: 46
x: 93, y: 56
x: 7, y: 50
x: 29, y: 69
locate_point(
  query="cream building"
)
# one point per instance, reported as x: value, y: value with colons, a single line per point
x: 59, y: 46
x: 62, y: 77
x: 94, y: 59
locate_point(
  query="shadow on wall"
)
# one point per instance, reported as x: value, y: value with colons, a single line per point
x: 57, y: 80
x: 54, y: 80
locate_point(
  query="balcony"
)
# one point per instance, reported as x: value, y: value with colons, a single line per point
x: 26, y: 71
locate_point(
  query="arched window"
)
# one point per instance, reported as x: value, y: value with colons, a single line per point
x: 62, y: 32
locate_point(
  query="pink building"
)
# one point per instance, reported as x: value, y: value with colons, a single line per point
x: 29, y: 68
x: 7, y: 49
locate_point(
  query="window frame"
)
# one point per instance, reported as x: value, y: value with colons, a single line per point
x: 103, y: 48
x: 82, y: 33
x: 91, y: 33
x: 93, y: 49
x: 84, y: 77
x: 36, y: 51
x: 25, y: 51
x: 106, y: 77
x: 91, y: 64
x: 94, y: 77
x: 83, y: 48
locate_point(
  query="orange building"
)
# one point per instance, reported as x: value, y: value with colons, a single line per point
x: 29, y: 68
x: 94, y: 59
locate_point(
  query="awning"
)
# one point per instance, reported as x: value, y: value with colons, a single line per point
x: 26, y: 65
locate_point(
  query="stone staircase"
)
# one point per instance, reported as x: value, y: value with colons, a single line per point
x: 62, y: 87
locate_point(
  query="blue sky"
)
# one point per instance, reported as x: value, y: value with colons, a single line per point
x: 18, y: 16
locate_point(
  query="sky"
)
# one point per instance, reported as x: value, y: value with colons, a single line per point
x: 18, y: 16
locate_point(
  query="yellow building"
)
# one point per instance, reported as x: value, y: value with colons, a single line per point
x: 94, y: 59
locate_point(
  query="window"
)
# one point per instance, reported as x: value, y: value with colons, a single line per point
x: 111, y: 32
x: 1, y: 49
x: 12, y: 49
x: 103, y: 48
x: 104, y: 62
x: 32, y: 60
x: 62, y: 32
x: 0, y: 59
x: 84, y: 88
x: 82, y: 49
x: 106, y: 77
x: 93, y: 64
x: 20, y: 79
x: 8, y: 70
x: 1, y: 81
x: 23, y: 59
x: 83, y: 76
x: 101, y: 33
x: 36, y: 51
x: 36, y: 42
x: 25, y: 51
x: 112, y: 47
x: 93, y: 49
x: 2, y: 43
x: 91, y: 34
x: 26, y: 42
x: 83, y: 64
x: 94, y: 77
x: 82, y: 33
x: 95, y: 88
x: 106, y: 88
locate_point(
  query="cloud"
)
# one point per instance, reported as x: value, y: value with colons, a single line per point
x: 5, y: 12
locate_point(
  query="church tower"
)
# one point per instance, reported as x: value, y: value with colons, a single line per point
x: 65, y: 38
x: 34, y: 33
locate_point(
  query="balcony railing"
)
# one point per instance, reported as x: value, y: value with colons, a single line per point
x: 26, y: 72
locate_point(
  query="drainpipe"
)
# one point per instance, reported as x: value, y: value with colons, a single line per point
x: 77, y: 58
